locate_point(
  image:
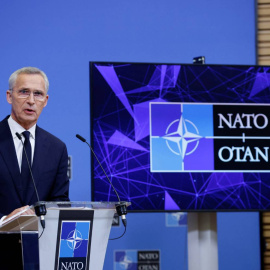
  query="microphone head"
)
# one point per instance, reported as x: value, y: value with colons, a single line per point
x: 80, y: 138
x: 18, y: 135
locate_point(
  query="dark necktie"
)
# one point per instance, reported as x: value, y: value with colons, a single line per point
x: 25, y: 171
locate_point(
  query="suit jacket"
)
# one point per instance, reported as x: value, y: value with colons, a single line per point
x: 49, y: 171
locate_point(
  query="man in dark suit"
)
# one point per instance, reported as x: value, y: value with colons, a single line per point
x: 28, y: 95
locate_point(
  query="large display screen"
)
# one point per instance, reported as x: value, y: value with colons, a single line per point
x: 181, y: 136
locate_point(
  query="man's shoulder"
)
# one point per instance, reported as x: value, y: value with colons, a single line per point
x: 47, y: 136
x: 4, y: 123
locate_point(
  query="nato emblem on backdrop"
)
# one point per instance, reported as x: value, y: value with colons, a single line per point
x: 186, y: 137
x: 136, y: 259
x: 125, y: 260
x: 73, y: 248
x: 176, y: 219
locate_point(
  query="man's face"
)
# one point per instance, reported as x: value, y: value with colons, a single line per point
x: 26, y: 111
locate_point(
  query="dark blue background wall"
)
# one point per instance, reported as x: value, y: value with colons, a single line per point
x: 61, y: 37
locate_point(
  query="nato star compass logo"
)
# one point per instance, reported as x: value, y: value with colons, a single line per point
x: 179, y: 140
x: 178, y: 137
x: 125, y: 260
x: 74, y: 239
x: 126, y: 263
x: 176, y: 219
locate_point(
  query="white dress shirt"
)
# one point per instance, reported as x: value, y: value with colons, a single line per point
x: 15, y: 127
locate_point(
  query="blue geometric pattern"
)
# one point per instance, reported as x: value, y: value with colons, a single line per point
x: 120, y: 96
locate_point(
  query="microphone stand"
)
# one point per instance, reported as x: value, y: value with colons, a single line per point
x: 121, y: 207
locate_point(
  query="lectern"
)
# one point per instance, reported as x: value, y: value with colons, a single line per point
x: 75, y: 235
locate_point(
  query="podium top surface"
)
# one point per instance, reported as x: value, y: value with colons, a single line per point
x: 20, y: 222
x: 82, y: 205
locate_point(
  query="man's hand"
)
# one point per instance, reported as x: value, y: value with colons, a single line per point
x: 28, y: 212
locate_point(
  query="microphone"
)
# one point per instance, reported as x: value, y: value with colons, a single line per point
x: 40, y: 208
x: 121, y: 207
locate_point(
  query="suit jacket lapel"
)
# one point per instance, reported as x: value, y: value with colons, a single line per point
x: 8, y: 153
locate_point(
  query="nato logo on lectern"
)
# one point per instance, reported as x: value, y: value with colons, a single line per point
x: 73, y: 249
x: 203, y: 137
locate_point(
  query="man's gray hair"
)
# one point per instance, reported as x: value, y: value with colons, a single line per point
x: 27, y: 70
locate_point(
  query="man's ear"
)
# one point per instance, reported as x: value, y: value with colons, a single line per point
x: 46, y: 101
x: 9, y: 97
